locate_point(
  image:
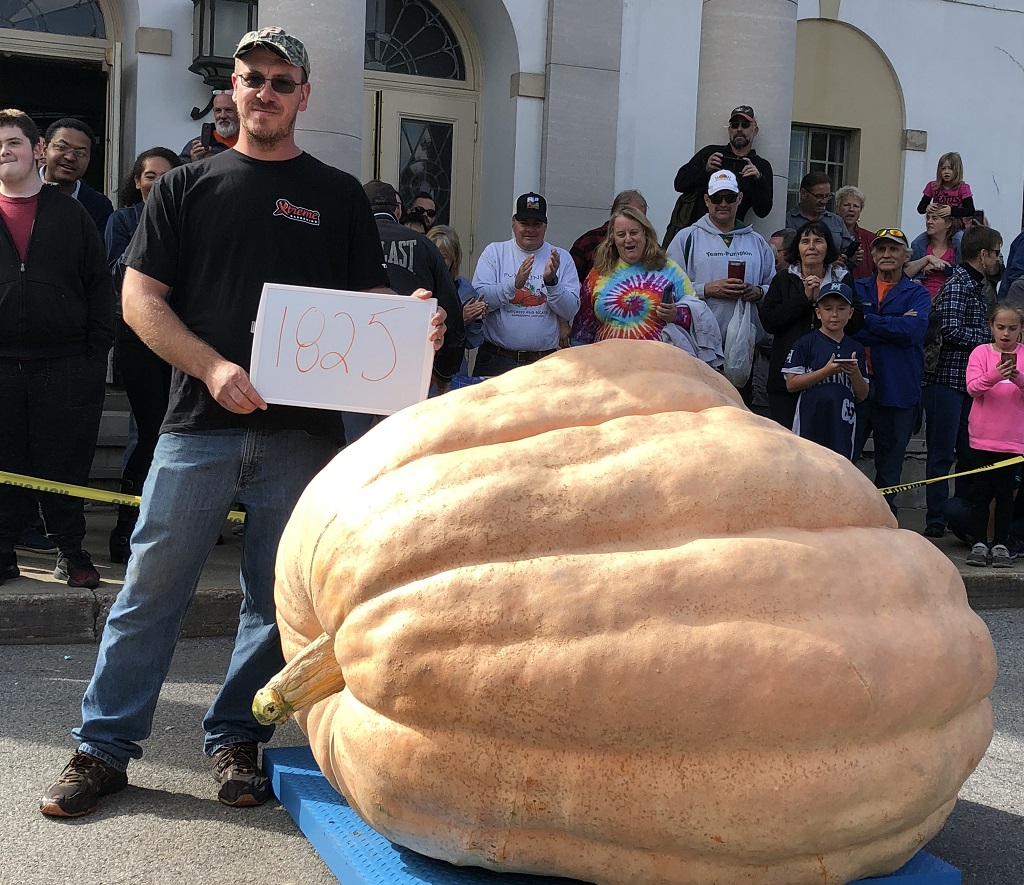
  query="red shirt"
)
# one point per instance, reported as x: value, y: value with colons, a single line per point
x: 19, y: 214
x: 866, y: 268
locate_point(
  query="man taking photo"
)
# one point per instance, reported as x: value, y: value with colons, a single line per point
x: 753, y: 172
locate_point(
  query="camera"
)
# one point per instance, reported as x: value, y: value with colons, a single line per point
x: 734, y: 164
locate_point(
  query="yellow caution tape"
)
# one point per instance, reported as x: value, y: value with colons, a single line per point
x: 1009, y: 462
x: 57, y: 488
x: 42, y: 485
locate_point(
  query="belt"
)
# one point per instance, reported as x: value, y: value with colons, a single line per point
x: 520, y: 356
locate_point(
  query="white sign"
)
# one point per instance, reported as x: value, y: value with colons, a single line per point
x: 353, y: 351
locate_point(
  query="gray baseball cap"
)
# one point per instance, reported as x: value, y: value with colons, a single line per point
x: 276, y: 40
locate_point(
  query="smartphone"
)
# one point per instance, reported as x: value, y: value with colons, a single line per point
x: 846, y: 360
x: 733, y: 164
x: 851, y: 250
x: 737, y: 270
x: 206, y: 136
x: 668, y: 294
x: 1009, y: 356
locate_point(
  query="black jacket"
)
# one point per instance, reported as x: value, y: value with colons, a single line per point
x: 788, y: 315
x: 758, y: 193
x: 60, y: 301
x: 413, y: 262
x: 97, y: 205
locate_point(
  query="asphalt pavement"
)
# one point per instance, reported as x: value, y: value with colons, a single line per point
x: 167, y: 827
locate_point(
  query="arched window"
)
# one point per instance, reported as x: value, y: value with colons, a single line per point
x: 411, y: 37
x: 77, y: 18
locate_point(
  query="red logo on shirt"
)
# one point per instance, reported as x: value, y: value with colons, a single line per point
x: 297, y: 213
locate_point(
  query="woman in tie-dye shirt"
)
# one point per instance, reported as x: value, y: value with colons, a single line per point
x: 636, y: 291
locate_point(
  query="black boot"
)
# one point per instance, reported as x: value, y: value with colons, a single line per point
x: 120, y: 544
x: 8, y: 566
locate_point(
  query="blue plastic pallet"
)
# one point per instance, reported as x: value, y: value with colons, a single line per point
x: 358, y: 855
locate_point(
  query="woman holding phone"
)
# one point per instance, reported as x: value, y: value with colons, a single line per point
x: 636, y: 291
x: 787, y: 311
x: 850, y: 202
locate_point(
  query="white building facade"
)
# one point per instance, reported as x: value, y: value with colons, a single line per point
x: 481, y: 100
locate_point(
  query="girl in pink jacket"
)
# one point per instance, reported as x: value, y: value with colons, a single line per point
x: 996, y: 427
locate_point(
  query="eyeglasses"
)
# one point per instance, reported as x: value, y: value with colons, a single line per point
x: 821, y: 198
x: 65, y: 150
x: 740, y: 123
x: 890, y: 232
x: 727, y: 197
x: 220, y: 92
x: 280, y: 85
x: 430, y: 213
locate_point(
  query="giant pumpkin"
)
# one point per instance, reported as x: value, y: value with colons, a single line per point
x: 593, y: 618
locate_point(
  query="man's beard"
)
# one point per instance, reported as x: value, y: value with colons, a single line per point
x: 739, y: 141
x: 226, y: 128
x: 269, y: 138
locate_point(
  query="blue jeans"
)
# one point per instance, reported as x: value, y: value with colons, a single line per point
x: 892, y: 429
x: 358, y: 423
x: 946, y: 411
x: 194, y: 479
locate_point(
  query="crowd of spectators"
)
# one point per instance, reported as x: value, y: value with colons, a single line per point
x: 713, y: 287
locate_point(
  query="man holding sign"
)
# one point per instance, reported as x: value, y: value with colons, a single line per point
x: 211, y: 235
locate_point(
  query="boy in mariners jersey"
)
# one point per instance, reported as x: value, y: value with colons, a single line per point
x: 825, y: 368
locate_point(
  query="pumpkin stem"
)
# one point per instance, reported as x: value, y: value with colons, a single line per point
x: 312, y: 675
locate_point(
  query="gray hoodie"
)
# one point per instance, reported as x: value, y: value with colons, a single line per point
x: 704, y: 253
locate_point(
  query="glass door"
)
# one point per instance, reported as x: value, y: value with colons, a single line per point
x: 423, y: 143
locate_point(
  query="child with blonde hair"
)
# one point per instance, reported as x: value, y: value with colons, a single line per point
x: 948, y: 194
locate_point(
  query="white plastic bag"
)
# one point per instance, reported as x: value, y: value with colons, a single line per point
x: 739, y: 345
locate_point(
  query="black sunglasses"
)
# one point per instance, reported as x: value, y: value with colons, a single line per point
x: 725, y: 197
x: 740, y: 123
x: 280, y: 85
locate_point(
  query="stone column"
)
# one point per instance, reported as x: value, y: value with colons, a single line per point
x: 331, y: 127
x: 580, y: 109
x: 748, y: 56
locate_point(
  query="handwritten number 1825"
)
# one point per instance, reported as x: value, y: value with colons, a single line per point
x: 310, y: 329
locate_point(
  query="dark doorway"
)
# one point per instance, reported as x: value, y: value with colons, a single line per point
x: 47, y: 89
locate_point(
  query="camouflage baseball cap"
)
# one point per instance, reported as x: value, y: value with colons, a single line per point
x: 276, y: 40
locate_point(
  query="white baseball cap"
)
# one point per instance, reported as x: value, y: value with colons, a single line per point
x: 723, y: 180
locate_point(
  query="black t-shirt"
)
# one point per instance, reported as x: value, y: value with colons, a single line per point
x: 217, y: 230
x: 413, y: 262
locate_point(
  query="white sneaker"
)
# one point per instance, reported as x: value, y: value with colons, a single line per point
x: 979, y: 555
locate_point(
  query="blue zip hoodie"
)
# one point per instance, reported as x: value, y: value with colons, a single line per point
x: 896, y: 340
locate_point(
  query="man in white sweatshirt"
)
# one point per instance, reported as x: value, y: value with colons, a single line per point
x: 527, y: 285
x: 727, y: 261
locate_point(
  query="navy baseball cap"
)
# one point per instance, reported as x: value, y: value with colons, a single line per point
x: 840, y: 289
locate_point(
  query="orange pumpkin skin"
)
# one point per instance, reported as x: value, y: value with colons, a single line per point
x: 598, y: 620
